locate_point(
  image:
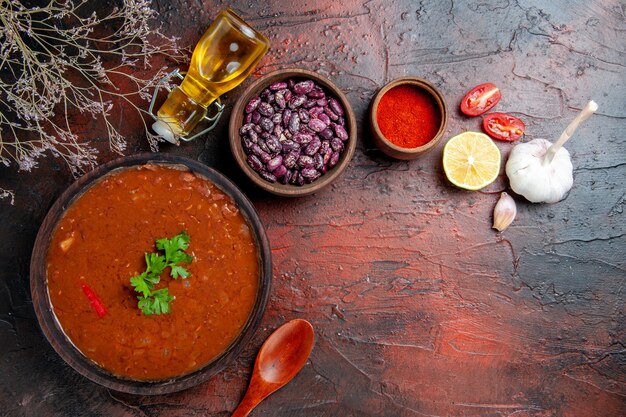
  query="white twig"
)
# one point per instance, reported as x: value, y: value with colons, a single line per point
x: 63, y: 59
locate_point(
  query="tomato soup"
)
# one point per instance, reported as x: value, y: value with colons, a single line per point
x: 100, y: 244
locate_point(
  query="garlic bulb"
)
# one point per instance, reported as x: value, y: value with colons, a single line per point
x: 542, y: 171
x: 533, y: 177
x: 504, y: 212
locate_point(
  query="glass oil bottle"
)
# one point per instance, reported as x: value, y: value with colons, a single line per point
x: 225, y: 55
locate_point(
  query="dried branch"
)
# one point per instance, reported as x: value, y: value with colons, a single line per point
x: 62, y: 58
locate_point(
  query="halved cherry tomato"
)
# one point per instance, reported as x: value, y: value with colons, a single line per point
x: 480, y: 99
x: 503, y: 126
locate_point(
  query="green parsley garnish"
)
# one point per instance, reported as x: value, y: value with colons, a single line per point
x: 153, y: 301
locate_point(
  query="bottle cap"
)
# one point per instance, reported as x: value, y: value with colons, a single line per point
x: 165, y: 131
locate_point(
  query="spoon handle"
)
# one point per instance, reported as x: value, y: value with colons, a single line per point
x: 245, y: 406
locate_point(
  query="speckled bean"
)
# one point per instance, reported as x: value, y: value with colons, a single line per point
x: 253, y: 104
x: 245, y: 129
x: 316, y: 93
x: 289, y: 145
x: 254, y: 137
x: 336, y: 107
x: 330, y: 113
x: 325, y: 147
x: 305, y: 161
x: 280, y: 100
x: 318, y: 161
x: 336, y: 144
x: 317, y: 125
x: 265, y: 157
x: 296, y: 102
x: 286, y: 117
x: 256, y: 149
x: 327, y: 134
x: 327, y: 156
x: 267, y: 176
x: 280, y: 171
x: 266, y: 124
x: 291, y: 160
x: 294, y: 123
x: 302, y: 138
x: 263, y: 146
x: 255, y: 163
x: 304, y: 87
x: 304, y: 116
x: 310, y: 173
x: 279, y: 85
x: 316, y: 111
x: 265, y: 109
x: 341, y: 132
x: 306, y: 129
x: 324, y: 118
x: 247, y: 144
x: 286, y: 177
x: 314, y: 146
x: 274, y: 144
x: 334, y: 158
x: 294, y: 178
x: 274, y: 163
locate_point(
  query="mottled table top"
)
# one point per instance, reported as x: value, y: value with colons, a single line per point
x: 420, y: 308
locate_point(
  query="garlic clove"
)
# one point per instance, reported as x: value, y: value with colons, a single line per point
x: 504, y: 212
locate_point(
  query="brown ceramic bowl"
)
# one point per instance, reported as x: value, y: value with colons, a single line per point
x: 385, y: 144
x: 55, y: 334
x: 236, y: 121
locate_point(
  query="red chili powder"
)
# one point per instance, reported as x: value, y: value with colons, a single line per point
x: 408, y: 116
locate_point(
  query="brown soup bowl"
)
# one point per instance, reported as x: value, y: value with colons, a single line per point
x: 55, y: 333
x: 237, y: 121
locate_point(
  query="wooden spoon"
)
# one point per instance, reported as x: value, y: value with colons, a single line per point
x: 281, y: 357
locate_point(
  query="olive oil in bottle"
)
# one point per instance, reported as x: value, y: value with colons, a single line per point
x: 225, y: 55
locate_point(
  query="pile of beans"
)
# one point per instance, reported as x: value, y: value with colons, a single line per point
x: 294, y: 132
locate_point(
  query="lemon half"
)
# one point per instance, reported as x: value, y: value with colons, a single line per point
x: 471, y: 160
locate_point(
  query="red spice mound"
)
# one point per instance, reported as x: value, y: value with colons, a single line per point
x: 408, y: 116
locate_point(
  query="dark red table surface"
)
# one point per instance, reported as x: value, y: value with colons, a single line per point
x: 420, y: 308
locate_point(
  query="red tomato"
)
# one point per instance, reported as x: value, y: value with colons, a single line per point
x: 480, y: 99
x: 503, y: 126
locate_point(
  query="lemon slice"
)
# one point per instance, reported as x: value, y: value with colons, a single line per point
x: 471, y: 160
